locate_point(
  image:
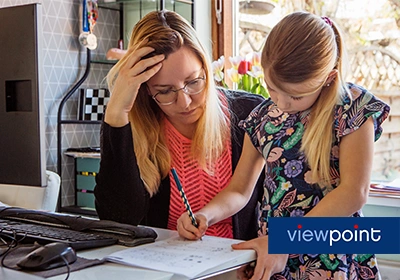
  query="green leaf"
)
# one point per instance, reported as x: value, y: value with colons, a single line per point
x: 246, y: 80
x: 255, y: 89
x: 264, y: 92
x: 259, y: 89
x: 224, y: 84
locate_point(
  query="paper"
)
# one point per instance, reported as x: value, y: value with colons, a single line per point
x: 385, y: 188
x: 395, y: 184
x: 82, y: 155
x: 185, y: 257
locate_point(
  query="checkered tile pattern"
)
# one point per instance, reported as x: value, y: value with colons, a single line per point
x: 92, y: 103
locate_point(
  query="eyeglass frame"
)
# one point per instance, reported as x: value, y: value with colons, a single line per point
x: 177, y: 90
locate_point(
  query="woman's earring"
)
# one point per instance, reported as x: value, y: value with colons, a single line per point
x: 328, y: 84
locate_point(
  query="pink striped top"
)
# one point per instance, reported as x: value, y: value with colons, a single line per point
x: 199, y: 186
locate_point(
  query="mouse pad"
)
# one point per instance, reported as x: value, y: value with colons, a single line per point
x: 12, y: 258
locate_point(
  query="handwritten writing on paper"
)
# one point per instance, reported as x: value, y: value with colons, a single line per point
x: 179, y: 256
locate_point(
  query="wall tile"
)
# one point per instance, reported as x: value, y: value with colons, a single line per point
x: 64, y: 62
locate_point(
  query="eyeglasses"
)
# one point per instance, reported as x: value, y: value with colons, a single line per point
x: 169, y: 96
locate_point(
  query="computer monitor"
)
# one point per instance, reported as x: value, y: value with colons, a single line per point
x: 22, y: 138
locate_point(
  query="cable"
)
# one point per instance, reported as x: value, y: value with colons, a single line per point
x: 14, y: 242
x: 67, y: 264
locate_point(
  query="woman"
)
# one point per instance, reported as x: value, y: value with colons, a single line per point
x: 165, y: 112
x: 315, y: 135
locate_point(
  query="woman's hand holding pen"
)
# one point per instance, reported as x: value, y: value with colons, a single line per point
x: 267, y: 264
x: 133, y: 73
x: 187, y: 230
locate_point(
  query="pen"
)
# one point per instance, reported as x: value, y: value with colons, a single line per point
x: 184, y: 198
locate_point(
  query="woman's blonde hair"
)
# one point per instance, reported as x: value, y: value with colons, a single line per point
x: 305, y: 48
x: 167, y: 32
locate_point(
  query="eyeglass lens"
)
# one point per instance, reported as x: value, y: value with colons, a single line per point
x: 169, y: 96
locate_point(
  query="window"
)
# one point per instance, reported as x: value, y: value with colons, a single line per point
x: 372, y: 34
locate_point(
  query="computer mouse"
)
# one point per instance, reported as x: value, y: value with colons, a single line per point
x: 48, y: 256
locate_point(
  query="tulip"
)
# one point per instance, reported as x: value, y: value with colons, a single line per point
x: 217, y: 67
x: 245, y: 74
x: 235, y: 61
x: 255, y: 58
x: 233, y: 75
x: 244, y: 67
x: 256, y: 72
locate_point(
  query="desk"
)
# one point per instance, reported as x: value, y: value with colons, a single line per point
x: 116, y: 271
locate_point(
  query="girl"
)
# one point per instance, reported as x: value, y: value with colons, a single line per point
x: 316, y: 136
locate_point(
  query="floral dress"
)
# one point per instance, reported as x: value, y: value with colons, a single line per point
x: 288, y: 191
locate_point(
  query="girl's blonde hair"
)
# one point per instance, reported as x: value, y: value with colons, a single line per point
x: 167, y: 32
x: 305, y: 48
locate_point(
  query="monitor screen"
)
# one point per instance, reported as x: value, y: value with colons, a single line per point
x: 22, y: 148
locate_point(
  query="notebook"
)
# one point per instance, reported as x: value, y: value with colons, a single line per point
x: 184, y: 258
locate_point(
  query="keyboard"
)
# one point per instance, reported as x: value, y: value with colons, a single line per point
x: 35, y: 231
x: 79, y: 232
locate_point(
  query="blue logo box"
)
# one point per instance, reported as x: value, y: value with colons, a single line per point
x: 345, y: 235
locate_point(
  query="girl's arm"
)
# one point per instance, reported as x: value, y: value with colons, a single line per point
x: 356, y: 154
x: 355, y: 162
x: 230, y: 200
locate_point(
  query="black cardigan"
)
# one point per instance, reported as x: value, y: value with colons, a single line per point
x: 120, y: 193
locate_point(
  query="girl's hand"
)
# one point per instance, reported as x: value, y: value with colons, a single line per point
x: 134, y: 71
x: 266, y: 265
x: 187, y: 230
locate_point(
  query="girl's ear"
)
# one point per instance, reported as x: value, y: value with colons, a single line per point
x: 331, y: 77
